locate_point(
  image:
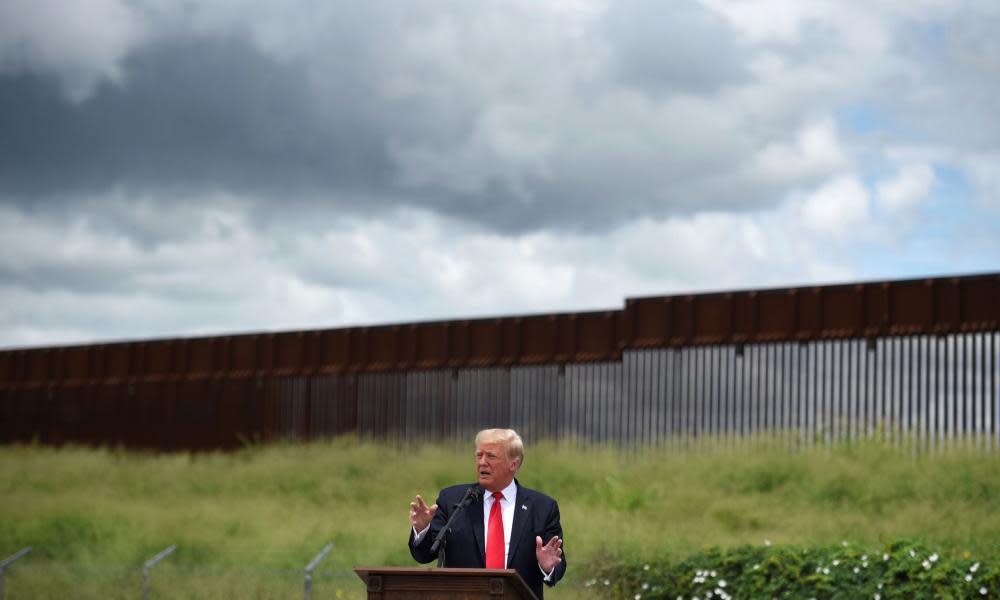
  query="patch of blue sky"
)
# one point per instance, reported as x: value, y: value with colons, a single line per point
x: 950, y: 235
x: 866, y: 129
x: 931, y: 36
x: 862, y: 118
x: 976, y: 229
x: 952, y: 196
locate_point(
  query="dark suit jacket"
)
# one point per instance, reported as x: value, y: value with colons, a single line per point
x: 535, y: 514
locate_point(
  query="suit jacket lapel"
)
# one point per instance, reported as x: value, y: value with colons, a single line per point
x: 475, y: 514
x: 522, y: 508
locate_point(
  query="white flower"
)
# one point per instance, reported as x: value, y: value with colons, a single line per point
x: 982, y: 591
x: 755, y: 567
x: 767, y: 542
x: 844, y: 543
x: 877, y: 597
x: 885, y: 557
x: 880, y: 586
x: 933, y: 557
x: 836, y: 562
x: 926, y: 564
x: 864, y: 557
x: 645, y: 586
x: 857, y: 570
x: 712, y: 573
x: 913, y: 554
x: 637, y: 596
x: 826, y: 571
x: 722, y: 583
x: 645, y: 567
x: 974, y: 568
x: 968, y: 577
x: 606, y: 582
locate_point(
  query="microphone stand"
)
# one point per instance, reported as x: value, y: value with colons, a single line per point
x: 471, y: 495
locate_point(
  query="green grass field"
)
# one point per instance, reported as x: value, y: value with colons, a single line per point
x: 247, y: 522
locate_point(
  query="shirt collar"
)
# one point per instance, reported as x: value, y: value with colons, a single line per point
x: 509, y: 492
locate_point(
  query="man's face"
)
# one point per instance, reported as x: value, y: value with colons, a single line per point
x: 495, y: 470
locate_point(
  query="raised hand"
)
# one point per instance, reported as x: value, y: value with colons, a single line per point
x: 548, y: 555
x: 421, y: 514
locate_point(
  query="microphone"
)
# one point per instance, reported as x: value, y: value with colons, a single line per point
x: 472, y: 494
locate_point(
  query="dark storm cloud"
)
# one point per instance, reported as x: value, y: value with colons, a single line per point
x: 205, y: 113
x: 87, y: 279
x: 673, y: 47
x: 376, y: 109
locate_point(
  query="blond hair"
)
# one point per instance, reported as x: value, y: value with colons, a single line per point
x: 507, y: 437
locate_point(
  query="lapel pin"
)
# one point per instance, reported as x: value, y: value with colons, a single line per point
x: 524, y: 507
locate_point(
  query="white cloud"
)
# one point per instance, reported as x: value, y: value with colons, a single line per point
x: 769, y: 20
x: 984, y: 170
x: 412, y: 265
x: 839, y: 209
x: 816, y: 151
x: 903, y: 194
x: 82, y: 43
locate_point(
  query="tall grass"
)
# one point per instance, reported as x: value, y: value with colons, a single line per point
x: 247, y: 522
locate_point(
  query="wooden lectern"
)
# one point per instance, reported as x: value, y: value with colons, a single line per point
x: 428, y: 583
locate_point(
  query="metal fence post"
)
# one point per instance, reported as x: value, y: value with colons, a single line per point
x: 149, y: 567
x: 7, y: 562
x: 312, y: 567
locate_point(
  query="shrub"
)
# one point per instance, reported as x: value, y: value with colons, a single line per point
x: 903, y: 569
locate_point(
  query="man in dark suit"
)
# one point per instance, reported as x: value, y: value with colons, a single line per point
x: 507, y: 526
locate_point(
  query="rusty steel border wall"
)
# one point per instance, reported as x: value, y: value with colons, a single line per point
x: 661, y: 367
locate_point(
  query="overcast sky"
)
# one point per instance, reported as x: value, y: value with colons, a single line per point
x: 179, y: 168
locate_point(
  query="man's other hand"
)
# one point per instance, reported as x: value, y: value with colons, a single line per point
x: 421, y: 514
x: 550, y: 554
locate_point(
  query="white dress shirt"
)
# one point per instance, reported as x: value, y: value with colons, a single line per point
x: 506, y: 512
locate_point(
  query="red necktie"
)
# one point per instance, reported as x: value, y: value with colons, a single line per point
x: 494, y: 536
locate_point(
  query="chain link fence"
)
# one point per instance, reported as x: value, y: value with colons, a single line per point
x: 161, y: 577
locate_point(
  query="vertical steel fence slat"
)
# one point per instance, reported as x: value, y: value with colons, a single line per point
x: 675, y: 397
x: 980, y: 386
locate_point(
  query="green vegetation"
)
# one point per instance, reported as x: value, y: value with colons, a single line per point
x: 247, y: 522
x: 902, y: 570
